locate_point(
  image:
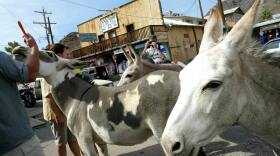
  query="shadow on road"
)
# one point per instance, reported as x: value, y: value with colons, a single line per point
x: 148, y: 151
x: 237, y: 140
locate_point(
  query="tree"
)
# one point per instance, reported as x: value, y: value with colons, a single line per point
x: 11, y: 46
x: 266, y: 15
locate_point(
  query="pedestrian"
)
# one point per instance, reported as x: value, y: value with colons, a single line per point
x: 16, y: 135
x: 55, y: 116
x: 153, y: 51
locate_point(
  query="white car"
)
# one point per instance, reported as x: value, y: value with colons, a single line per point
x: 100, y: 82
x: 272, y: 46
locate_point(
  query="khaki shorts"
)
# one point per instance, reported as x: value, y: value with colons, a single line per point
x: 30, y: 147
x: 62, y: 135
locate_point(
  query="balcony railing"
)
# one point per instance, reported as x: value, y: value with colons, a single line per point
x: 112, y: 43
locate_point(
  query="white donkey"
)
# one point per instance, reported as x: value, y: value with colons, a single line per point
x: 224, y: 85
x: 125, y: 115
x: 138, y: 67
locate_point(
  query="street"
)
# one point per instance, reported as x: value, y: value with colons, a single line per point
x: 236, y: 141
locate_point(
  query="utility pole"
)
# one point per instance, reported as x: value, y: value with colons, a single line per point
x: 47, y: 25
x: 220, y: 6
x: 201, y: 11
x: 50, y: 30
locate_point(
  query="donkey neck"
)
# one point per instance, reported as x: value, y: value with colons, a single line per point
x: 261, y: 114
x: 70, y: 92
x: 59, y: 77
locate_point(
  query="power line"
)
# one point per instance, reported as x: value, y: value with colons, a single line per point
x: 189, y: 8
x: 47, y: 24
x: 83, y: 5
x: 17, y: 18
x: 201, y: 11
x: 212, y: 1
x: 104, y: 10
x: 145, y: 17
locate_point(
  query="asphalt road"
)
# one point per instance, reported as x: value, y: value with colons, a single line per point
x: 236, y: 141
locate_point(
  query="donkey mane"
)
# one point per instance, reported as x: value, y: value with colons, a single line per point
x: 270, y: 58
x: 263, y: 67
x: 258, y: 51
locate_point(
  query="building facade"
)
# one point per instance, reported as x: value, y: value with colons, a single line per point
x: 71, y: 40
x: 133, y: 23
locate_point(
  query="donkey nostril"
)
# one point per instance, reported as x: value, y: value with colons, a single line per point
x: 176, y: 147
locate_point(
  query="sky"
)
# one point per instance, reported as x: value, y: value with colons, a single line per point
x: 67, y: 14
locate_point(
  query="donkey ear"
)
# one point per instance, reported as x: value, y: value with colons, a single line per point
x: 241, y: 32
x: 63, y: 64
x: 137, y: 57
x: 127, y: 56
x: 213, y: 30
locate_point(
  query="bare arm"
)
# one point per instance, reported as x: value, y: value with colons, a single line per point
x: 58, y: 114
x: 158, y: 50
x: 145, y: 49
x: 33, y: 62
x: 160, y: 53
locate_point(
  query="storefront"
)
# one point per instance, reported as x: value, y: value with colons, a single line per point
x: 267, y: 30
x: 121, y: 61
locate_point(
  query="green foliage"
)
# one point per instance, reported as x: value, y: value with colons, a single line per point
x: 11, y: 46
x: 266, y: 15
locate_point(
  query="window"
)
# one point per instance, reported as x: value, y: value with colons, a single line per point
x: 272, y: 45
x: 187, y: 20
x: 101, y: 37
x: 130, y: 28
x: 112, y: 34
x: 186, y: 36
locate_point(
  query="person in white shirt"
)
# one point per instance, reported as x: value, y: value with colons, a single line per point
x: 152, y: 50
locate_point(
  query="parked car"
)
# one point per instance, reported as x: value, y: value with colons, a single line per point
x: 26, y: 94
x: 100, y: 82
x: 98, y: 72
x: 37, y: 88
x: 272, y: 46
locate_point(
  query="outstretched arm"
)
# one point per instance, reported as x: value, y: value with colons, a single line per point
x: 145, y: 49
x: 59, y: 117
x: 33, y: 62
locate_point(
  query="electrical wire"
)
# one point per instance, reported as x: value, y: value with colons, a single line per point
x: 190, y: 8
x: 17, y: 18
x: 83, y: 5
x: 89, y: 7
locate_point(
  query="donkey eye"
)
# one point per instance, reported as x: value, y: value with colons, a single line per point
x: 128, y: 76
x: 212, y: 85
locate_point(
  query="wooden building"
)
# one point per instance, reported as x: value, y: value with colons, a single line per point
x: 71, y: 40
x: 134, y: 22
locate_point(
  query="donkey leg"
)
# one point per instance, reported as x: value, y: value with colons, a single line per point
x: 102, y: 149
x: 85, y: 139
x: 87, y: 145
x: 156, y: 128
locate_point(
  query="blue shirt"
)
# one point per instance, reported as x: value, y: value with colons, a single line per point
x: 15, y: 128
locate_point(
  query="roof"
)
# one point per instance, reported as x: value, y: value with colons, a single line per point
x: 226, y: 12
x: 230, y: 11
x: 182, y: 17
x: 244, y: 5
x: 267, y: 23
x: 178, y: 23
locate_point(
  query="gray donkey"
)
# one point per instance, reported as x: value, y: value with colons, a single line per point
x: 124, y: 115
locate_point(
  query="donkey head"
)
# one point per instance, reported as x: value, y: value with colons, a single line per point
x: 212, y: 92
x: 52, y: 67
x: 134, y: 69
